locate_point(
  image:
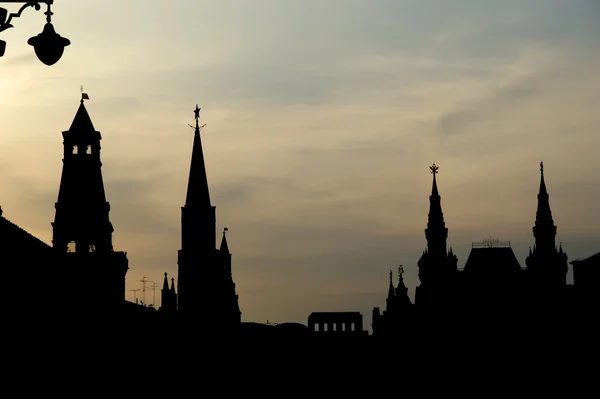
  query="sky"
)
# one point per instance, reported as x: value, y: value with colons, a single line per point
x: 323, y: 118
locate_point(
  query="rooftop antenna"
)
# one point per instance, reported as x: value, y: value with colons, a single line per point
x: 154, y: 286
x: 144, y: 281
x: 135, y: 294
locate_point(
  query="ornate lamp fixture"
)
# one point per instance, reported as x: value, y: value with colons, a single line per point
x: 48, y: 45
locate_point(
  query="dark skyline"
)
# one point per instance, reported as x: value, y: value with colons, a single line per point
x: 324, y: 143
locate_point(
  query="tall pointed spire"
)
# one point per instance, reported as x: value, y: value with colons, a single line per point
x: 544, y: 229
x: 391, y: 287
x: 198, y: 291
x: 165, y: 283
x: 224, y: 247
x: 197, y: 191
x: 172, y: 285
x: 436, y: 232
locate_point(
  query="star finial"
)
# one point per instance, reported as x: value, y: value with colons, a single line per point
x: 434, y: 169
x: 197, y: 113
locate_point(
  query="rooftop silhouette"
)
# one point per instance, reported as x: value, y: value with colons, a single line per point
x: 491, y: 286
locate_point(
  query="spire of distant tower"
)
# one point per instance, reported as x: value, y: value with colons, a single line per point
x: 172, y: 285
x: 544, y: 229
x: 391, y: 287
x: 224, y: 247
x: 165, y: 283
x: 436, y: 232
x: 197, y: 191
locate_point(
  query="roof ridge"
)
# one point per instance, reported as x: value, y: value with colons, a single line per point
x: 25, y: 231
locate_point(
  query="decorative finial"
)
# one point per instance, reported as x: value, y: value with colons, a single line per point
x: 165, y: 274
x: 434, y: 169
x: 542, y: 167
x: 84, y: 96
x: 197, y: 117
x: 225, y: 230
x: 197, y: 114
x: 390, y: 276
x: 400, y: 272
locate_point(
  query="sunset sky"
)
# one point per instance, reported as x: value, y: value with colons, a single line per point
x: 323, y: 117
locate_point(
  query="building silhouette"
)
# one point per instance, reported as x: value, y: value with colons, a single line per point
x: 82, y: 231
x: 81, y: 275
x: 206, y: 291
x: 492, y: 286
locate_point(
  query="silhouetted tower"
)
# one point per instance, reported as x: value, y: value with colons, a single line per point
x: 397, y: 317
x: 201, y: 294
x: 168, y: 297
x: 82, y: 231
x: 546, y: 263
x: 397, y: 299
x: 390, y: 301
x: 437, y: 267
x: 231, y: 303
x: 173, y: 292
x: 81, y: 222
x: 402, y: 299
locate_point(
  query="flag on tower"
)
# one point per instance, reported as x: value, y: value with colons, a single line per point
x: 84, y: 96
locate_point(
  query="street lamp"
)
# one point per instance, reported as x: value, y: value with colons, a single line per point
x: 48, y: 45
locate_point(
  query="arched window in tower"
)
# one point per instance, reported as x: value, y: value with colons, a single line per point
x: 88, y: 149
x: 92, y: 248
x: 74, y: 149
x: 71, y: 246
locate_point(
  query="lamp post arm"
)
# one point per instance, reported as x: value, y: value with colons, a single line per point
x: 34, y: 4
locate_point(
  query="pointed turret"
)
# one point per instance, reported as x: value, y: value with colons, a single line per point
x: 437, y: 267
x: 224, y: 247
x: 436, y: 231
x: 168, y: 297
x: 390, y: 300
x: 197, y: 190
x: 82, y: 121
x: 390, y: 288
x: 165, y: 283
x: 402, y: 298
x: 547, y: 261
x: 544, y: 230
